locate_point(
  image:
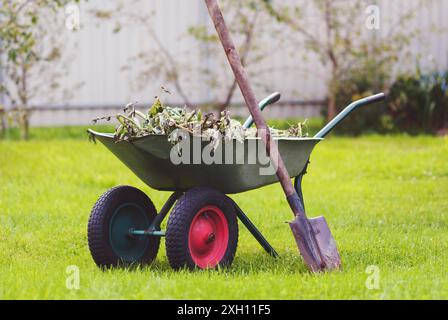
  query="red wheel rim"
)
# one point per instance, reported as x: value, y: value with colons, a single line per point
x: 208, y: 237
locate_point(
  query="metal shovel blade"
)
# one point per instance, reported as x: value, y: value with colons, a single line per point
x: 316, y: 243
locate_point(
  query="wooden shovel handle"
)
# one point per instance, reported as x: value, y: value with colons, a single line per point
x: 249, y: 97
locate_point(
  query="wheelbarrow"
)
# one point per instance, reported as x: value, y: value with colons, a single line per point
x: 124, y: 227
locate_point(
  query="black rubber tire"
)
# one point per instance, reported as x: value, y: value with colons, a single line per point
x: 99, y: 221
x: 181, y: 218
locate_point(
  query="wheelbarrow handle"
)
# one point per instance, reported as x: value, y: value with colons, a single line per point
x: 273, y: 98
x: 344, y: 114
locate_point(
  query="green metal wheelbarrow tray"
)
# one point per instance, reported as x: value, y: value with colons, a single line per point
x: 202, y: 231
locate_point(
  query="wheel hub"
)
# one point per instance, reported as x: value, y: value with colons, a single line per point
x: 127, y: 217
x: 208, y: 237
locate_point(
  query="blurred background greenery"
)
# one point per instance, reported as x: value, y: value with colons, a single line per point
x: 64, y: 63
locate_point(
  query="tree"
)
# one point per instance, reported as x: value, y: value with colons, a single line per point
x: 247, y: 21
x: 343, y: 34
x: 24, y: 27
x: 157, y: 61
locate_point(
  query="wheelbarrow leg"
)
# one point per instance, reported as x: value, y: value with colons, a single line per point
x: 254, y: 231
x: 154, y: 228
x: 155, y: 225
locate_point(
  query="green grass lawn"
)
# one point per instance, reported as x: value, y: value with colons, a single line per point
x: 385, y: 198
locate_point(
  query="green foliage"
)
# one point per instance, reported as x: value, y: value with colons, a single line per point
x: 19, y: 27
x: 384, y: 199
x: 346, y: 42
x: 368, y: 77
x: 416, y: 104
x: 420, y: 103
x: 22, y: 31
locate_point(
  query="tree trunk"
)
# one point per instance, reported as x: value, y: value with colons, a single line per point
x: 226, y: 104
x: 25, y: 124
x: 23, y: 111
x: 331, y: 105
x: 2, y: 125
x: 2, y: 122
x: 333, y: 88
x: 248, y: 37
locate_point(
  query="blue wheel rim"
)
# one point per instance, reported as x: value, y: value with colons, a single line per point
x: 128, y: 216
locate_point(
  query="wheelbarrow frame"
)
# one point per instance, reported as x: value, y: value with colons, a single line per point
x: 155, y: 227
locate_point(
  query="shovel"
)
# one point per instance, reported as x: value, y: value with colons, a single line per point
x: 313, y: 236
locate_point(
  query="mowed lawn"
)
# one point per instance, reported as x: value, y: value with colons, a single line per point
x: 385, y: 198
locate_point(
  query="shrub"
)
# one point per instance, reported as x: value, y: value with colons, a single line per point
x: 366, y: 79
x: 416, y: 104
x: 419, y: 104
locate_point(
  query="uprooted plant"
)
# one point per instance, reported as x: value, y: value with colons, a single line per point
x: 163, y: 120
